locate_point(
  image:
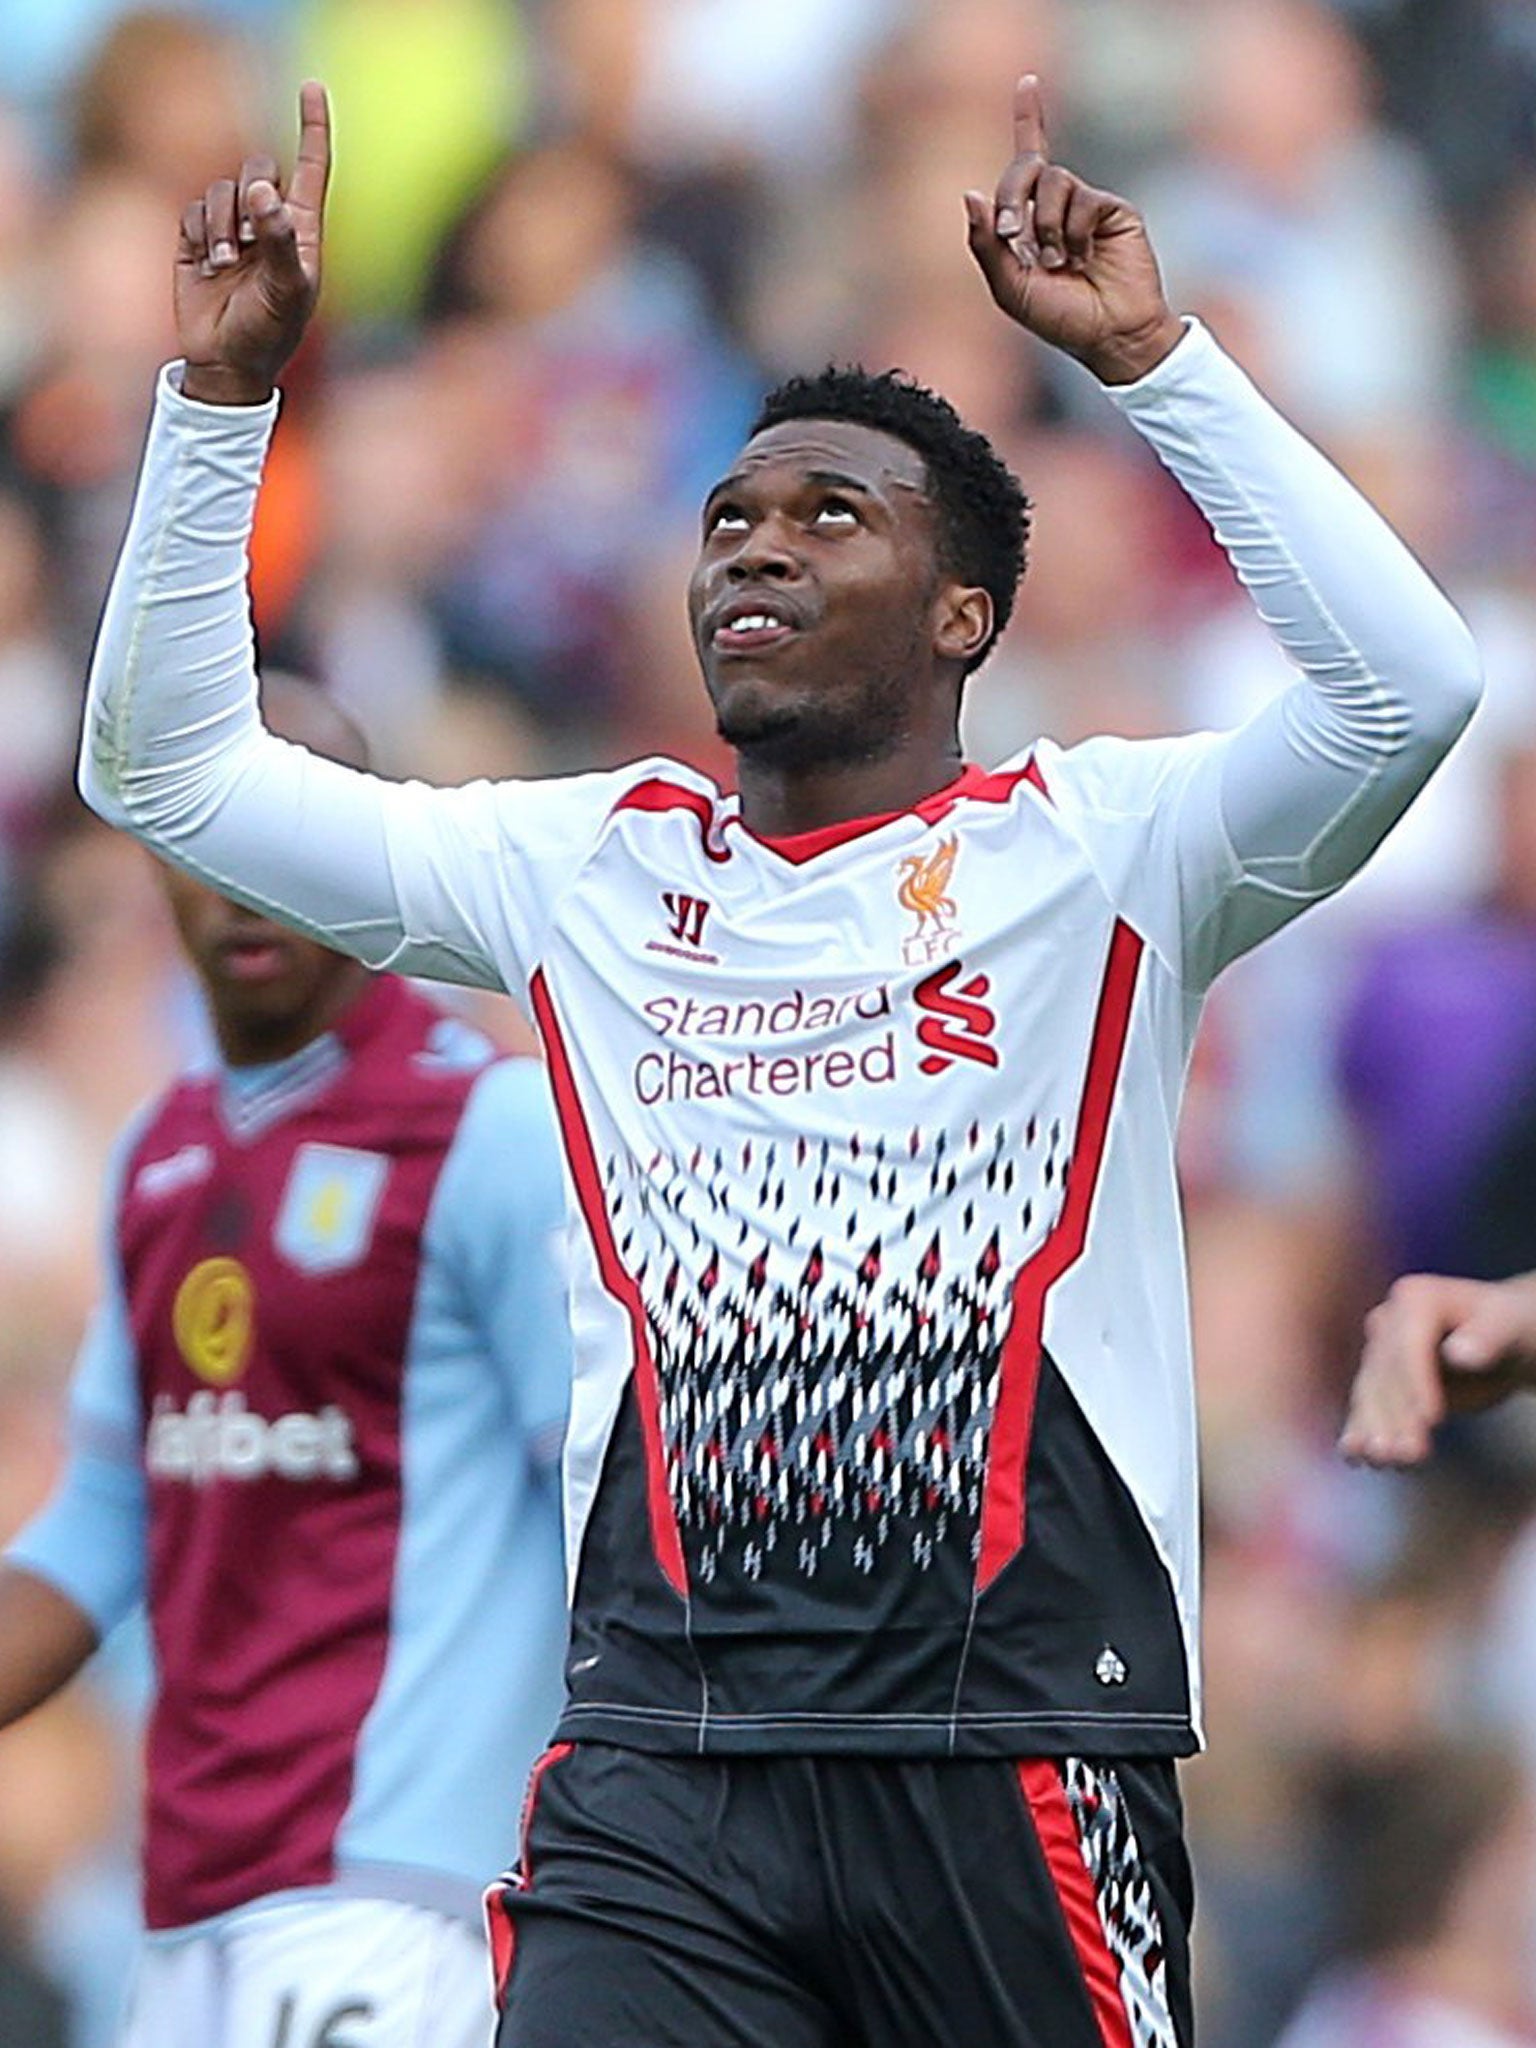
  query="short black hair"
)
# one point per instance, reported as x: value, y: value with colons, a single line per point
x: 983, y: 512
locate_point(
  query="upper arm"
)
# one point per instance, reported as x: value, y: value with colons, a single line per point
x: 1211, y: 842
x: 90, y: 1540
x: 453, y: 884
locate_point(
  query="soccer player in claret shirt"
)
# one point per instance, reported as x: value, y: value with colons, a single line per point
x: 880, y: 1481
x: 316, y: 1427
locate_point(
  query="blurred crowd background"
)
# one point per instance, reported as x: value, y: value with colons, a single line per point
x: 571, y: 241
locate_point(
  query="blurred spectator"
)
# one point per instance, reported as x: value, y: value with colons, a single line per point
x: 22, y: 262
x: 168, y: 99
x: 579, y: 374
x: 87, y: 1030
x: 429, y: 93
x: 1439, y: 1054
x: 1434, y: 1862
x: 1472, y: 135
x: 38, y: 690
x: 716, y: 81
x: 1308, y: 234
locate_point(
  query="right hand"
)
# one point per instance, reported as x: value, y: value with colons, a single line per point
x: 1071, y: 264
x: 1437, y: 1346
x: 248, y: 267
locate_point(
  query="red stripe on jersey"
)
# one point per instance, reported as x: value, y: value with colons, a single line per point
x: 619, y: 1282
x: 501, y: 1929
x: 976, y: 783
x: 657, y: 794
x: 1002, y: 1500
x: 1046, y: 1798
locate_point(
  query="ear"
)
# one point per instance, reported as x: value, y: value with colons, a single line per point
x: 962, y: 622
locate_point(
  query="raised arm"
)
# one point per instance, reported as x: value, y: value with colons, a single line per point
x: 1269, y: 818
x: 174, y: 749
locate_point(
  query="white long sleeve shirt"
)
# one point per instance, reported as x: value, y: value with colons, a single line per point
x: 879, y: 1298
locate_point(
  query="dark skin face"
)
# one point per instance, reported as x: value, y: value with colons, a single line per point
x: 269, y: 991
x: 832, y: 642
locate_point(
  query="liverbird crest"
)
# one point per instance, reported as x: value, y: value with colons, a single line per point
x: 923, y: 889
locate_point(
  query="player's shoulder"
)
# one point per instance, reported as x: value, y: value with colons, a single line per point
x: 1112, y: 774
x: 659, y: 785
x: 653, y: 782
x: 566, y: 815
x: 161, y: 1138
x: 511, y: 1094
x: 503, y: 1166
x: 508, y: 1119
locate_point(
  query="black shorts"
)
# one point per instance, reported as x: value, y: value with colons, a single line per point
x: 845, y: 1902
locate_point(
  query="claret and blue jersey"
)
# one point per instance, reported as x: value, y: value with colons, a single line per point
x: 316, y: 1427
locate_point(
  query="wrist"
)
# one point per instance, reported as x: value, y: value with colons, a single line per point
x: 1125, y: 358
x: 219, y: 384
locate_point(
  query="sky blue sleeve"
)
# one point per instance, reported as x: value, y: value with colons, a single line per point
x: 501, y: 1207
x: 90, y: 1539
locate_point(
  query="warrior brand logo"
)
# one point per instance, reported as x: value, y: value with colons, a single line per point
x: 924, y: 890
x: 180, y: 1170
x: 687, y: 914
x: 958, y: 1024
x: 685, y: 921
x: 217, y: 1437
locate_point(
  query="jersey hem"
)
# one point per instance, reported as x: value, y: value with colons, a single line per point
x: 1084, y: 1733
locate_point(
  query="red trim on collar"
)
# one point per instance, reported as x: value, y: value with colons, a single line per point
x: 979, y: 784
x: 657, y: 794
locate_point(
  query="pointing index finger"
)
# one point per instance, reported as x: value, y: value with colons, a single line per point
x: 312, y: 166
x: 1029, y: 118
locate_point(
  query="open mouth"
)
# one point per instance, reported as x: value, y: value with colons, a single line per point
x: 747, y: 629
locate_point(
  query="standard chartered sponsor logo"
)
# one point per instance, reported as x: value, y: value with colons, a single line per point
x: 785, y: 1016
x: 217, y: 1437
x: 677, y: 1076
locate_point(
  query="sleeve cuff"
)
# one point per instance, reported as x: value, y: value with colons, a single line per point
x: 252, y: 421
x: 1188, y: 366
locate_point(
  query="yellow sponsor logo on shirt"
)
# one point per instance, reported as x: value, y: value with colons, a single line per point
x: 214, y: 1319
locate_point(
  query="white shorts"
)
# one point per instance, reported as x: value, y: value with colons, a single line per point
x: 329, y: 1973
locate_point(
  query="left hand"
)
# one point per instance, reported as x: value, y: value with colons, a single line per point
x: 1437, y: 1346
x: 1068, y: 262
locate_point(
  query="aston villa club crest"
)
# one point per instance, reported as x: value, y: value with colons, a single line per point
x: 325, y: 1223
x: 923, y: 889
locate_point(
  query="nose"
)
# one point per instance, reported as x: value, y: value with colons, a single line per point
x: 764, y: 550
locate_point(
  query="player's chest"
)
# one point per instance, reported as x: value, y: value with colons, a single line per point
x: 284, y: 1265
x: 914, y: 979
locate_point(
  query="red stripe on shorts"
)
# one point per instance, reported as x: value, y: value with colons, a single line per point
x: 1046, y: 1797
x: 499, y: 1926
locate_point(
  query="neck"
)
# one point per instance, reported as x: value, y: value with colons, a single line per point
x: 262, y: 1041
x: 778, y: 802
